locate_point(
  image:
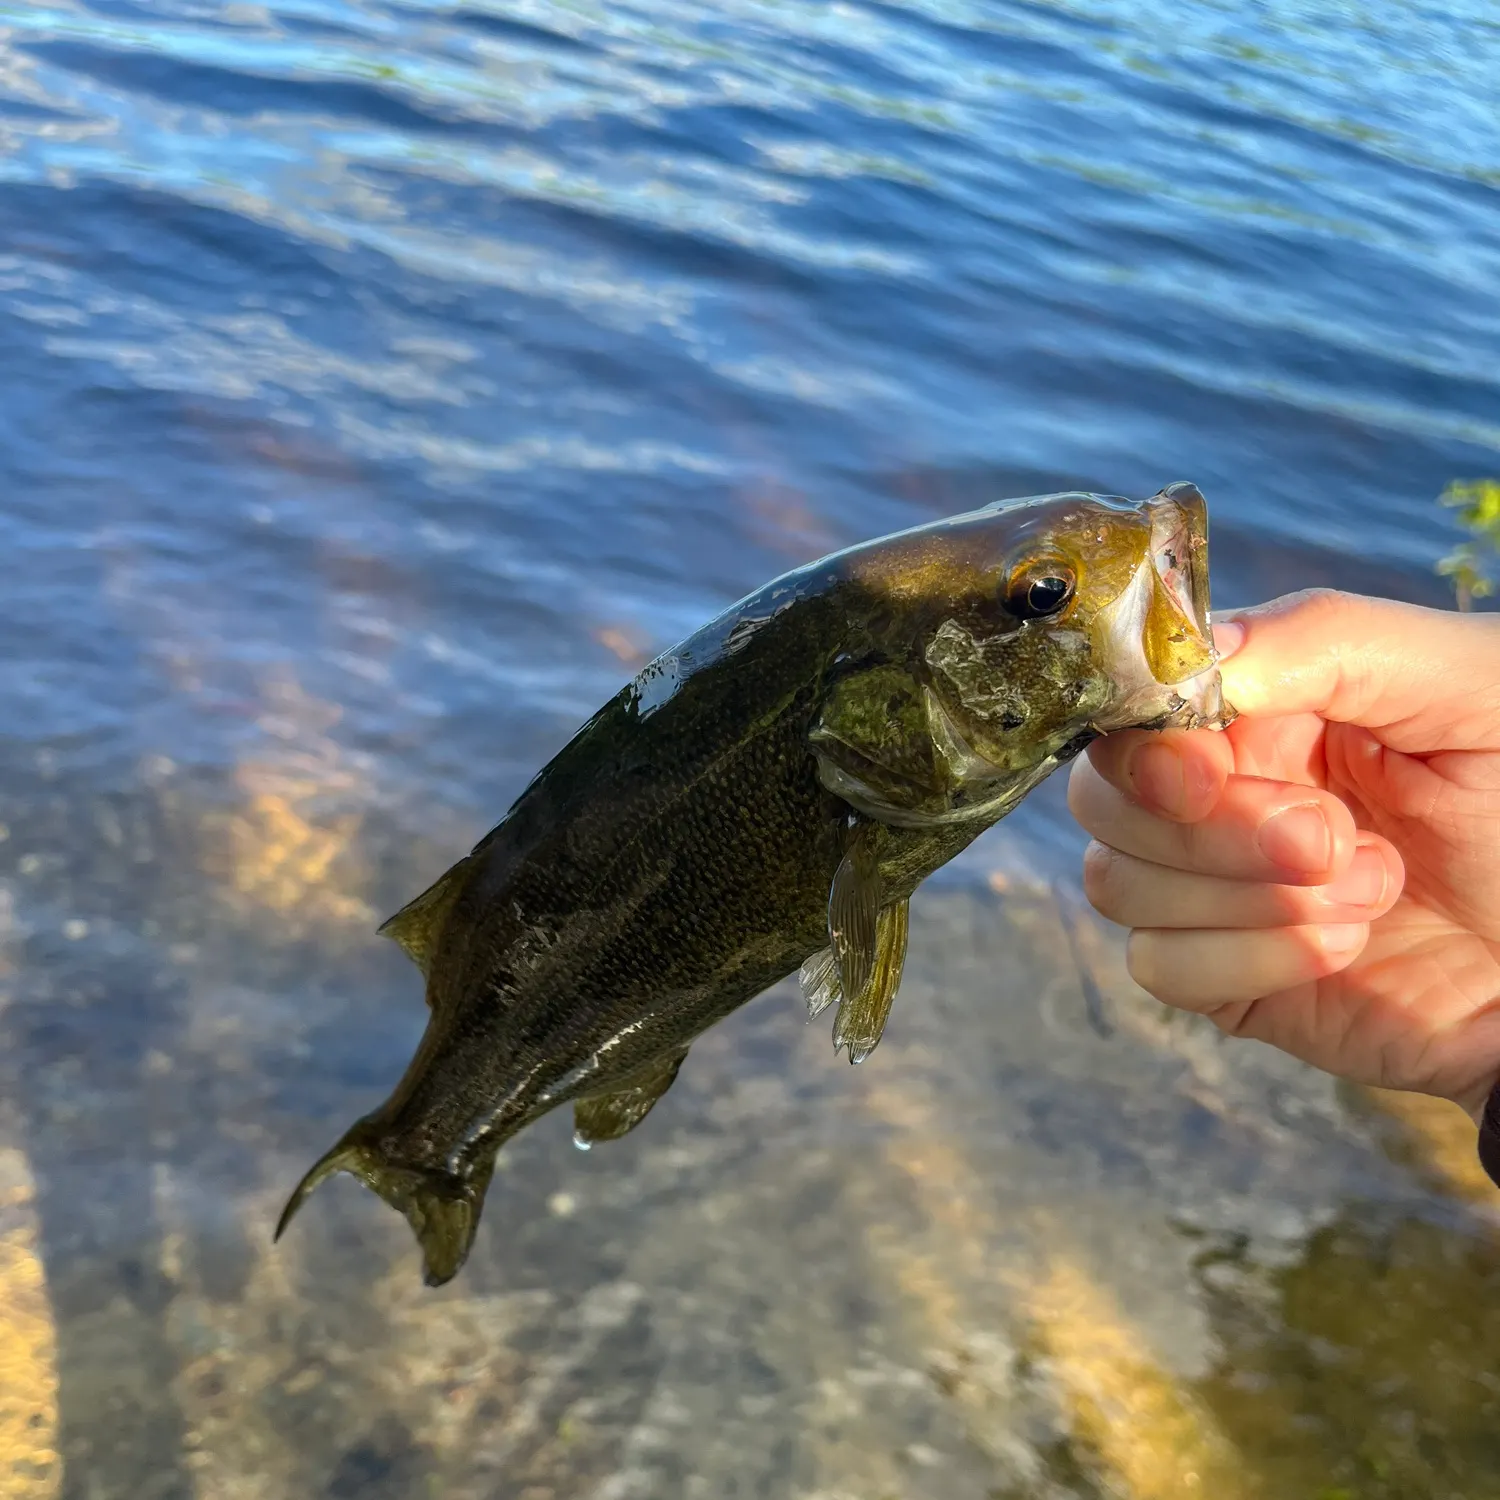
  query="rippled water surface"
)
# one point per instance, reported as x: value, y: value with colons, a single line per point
x: 379, y: 386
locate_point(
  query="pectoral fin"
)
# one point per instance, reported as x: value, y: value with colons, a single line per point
x: 606, y: 1117
x: 419, y: 924
x: 862, y: 1016
x: 867, y: 939
x: 820, y: 982
x: 853, y: 907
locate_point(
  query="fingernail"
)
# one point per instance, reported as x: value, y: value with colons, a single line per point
x: 1297, y: 838
x: 1362, y: 884
x: 1229, y: 636
x: 1342, y: 937
x: 1156, y: 777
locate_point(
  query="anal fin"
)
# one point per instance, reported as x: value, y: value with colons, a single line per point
x: 862, y: 1017
x: 606, y: 1117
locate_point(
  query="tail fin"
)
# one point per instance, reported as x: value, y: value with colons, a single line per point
x: 442, y: 1207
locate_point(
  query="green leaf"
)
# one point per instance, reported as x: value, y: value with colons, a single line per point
x: 1473, y: 565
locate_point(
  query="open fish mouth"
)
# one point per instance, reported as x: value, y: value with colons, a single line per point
x: 1178, y: 639
x: 1159, y: 638
x: 1179, y: 548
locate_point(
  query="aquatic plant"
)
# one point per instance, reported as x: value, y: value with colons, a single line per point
x: 1472, y: 565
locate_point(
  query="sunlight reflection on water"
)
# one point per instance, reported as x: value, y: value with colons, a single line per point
x: 383, y: 385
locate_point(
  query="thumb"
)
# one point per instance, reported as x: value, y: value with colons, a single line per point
x: 1371, y: 662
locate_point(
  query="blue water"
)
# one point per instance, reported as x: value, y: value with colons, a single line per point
x: 414, y: 349
x: 381, y: 383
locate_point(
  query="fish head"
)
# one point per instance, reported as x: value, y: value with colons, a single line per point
x: 1030, y: 627
x: 1097, y: 620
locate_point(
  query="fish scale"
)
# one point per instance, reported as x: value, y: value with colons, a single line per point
x: 779, y: 783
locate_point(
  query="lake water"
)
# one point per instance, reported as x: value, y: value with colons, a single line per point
x: 380, y: 384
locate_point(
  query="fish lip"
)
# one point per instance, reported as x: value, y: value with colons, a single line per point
x: 1175, y: 564
x: 1179, y: 552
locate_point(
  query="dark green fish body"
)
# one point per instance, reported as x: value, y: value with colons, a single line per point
x: 767, y: 795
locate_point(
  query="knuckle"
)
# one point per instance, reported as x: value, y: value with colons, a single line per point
x: 1328, y: 961
x: 1291, y: 906
x: 1143, y: 960
x: 1101, y: 867
x: 1193, y: 846
x: 1238, y: 1018
x: 1319, y: 606
x: 1325, y: 600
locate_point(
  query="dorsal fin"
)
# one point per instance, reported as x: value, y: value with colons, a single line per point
x: 419, y: 924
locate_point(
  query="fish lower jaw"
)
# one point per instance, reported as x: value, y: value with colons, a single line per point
x: 1200, y: 702
x: 1195, y: 703
x: 1142, y: 700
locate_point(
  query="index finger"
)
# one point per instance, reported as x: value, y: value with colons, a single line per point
x: 1425, y: 679
x: 1175, y: 773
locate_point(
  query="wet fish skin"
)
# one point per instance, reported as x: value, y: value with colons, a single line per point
x: 677, y: 857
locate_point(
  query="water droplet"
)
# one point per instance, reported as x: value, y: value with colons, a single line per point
x: 582, y: 1144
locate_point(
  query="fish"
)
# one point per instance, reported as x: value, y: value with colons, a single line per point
x: 762, y: 800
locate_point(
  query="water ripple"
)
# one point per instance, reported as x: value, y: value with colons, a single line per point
x: 585, y: 283
x: 381, y: 382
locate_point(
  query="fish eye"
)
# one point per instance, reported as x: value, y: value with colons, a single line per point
x: 1039, y: 589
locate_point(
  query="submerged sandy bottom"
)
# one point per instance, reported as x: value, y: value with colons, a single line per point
x: 1009, y: 1256
x: 381, y: 386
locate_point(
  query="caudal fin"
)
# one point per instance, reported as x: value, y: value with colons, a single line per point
x: 442, y: 1207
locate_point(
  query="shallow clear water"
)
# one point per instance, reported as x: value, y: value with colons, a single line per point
x: 379, y: 384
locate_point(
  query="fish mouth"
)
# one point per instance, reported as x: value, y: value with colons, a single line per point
x: 1179, y: 548
x: 1177, y: 638
x: 1159, y: 630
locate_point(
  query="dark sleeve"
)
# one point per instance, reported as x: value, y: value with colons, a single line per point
x: 1489, y: 1136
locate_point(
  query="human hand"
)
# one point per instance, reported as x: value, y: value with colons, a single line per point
x: 1324, y: 875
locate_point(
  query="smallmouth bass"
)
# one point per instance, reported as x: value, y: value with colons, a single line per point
x: 764, y: 796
